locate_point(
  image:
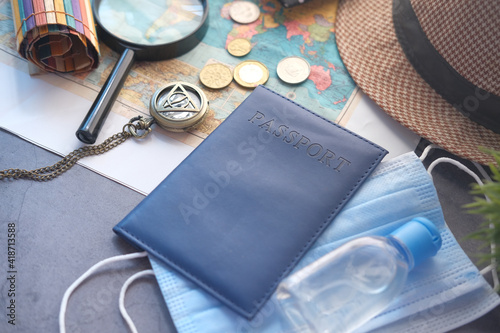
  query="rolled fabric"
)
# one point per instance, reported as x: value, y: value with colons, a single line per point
x: 56, y: 35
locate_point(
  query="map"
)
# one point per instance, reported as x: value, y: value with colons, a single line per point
x: 306, y: 30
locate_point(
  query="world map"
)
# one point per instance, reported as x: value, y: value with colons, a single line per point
x: 306, y: 30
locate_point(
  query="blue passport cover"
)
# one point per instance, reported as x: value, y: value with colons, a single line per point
x: 240, y: 211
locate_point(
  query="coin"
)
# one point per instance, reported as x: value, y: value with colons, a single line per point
x: 251, y: 73
x: 244, y: 12
x: 293, y: 70
x: 239, y: 47
x: 216, y: 76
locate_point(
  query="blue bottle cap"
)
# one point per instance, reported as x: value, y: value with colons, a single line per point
x: 421, y: 237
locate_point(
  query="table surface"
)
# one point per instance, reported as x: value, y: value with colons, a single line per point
x: 64, y: 227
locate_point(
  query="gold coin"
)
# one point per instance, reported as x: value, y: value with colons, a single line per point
x: 216, y: 76
x: 251, y: 73
x: 239, y: 47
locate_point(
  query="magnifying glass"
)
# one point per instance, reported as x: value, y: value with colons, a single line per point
x: 141, y: 30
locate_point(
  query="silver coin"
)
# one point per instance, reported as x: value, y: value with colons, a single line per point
x: 244, y: 12
x: 293, y: 70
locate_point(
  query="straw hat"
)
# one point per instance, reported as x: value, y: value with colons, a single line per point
x: 432, y: 65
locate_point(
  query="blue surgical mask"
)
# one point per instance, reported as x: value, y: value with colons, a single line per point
x: 438, y: 296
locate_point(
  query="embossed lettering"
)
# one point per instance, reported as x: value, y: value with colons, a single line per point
x: 257, y: 116
x: 342, y: 162
x: 304, y: 140
x: 270, y: 130
x: 327, y: 157
x: 314, y: 147
x: 282, y: 129
x: 267, y: 124
x: 291, y: 137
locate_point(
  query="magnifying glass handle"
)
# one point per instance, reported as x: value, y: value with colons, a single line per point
x: 92, y: 124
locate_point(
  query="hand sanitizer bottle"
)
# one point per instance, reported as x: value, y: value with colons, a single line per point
x: 352, y: 284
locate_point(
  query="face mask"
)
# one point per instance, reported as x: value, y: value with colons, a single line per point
x: 439, y: 294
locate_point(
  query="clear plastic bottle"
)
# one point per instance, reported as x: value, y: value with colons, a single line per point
x: 352, y: 284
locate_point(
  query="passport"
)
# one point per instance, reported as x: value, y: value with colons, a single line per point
x: 242, y: 209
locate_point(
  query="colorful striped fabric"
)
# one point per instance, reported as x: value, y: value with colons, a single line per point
x: 56, y: 35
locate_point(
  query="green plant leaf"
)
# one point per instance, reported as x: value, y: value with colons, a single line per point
x: 489, y: 231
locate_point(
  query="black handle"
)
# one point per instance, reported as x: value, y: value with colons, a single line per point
x: 91, y: 125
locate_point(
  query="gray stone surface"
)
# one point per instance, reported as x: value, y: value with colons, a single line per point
x: 63, y: 227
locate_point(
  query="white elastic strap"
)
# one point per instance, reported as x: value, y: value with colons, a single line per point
x: 427, y: 150
x: 457, y: 164
x: 482, y: 171
x: 121, y: 301
x: 491, y: 267
x: 90, y: 271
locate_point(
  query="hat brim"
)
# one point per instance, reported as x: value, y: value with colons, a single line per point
x: 371, y: 52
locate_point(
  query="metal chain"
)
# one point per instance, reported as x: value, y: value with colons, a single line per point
x: 47, y: 173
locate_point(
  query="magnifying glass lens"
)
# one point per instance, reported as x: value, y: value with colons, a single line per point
x: 150, y: 22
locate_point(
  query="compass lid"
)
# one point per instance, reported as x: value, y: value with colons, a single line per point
x: 179, y: 106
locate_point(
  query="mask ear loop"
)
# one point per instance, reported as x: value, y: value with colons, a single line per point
x: 121, y: 301
x: 493, y: 265
x: 427, y: 150
x: 84, y: 276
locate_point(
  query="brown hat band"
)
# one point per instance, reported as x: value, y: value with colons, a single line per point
x: 479, y: 105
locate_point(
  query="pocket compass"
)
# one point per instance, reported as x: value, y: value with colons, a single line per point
x: 177, y: 107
